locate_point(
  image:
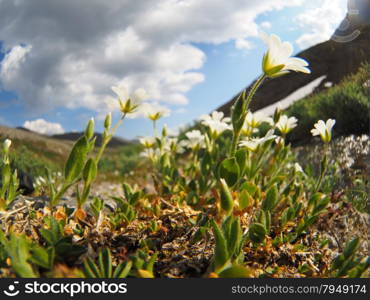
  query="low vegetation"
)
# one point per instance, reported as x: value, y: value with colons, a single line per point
x: 223, y: 200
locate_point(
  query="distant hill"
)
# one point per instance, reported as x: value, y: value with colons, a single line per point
x: 74, y: 136
x: 334, y: 59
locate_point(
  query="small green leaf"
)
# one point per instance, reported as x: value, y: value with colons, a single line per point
x: 235, y: 271
x: 229, y: 170
x: 76, y: 159
x: 271, y: 199
x: 227, y: 201
x: 241, y: 157
x: 90, y: 171
x: 238, y: 112
x: 122, y: 270
x: 221, y: 256
x: 351, y: 247
x: 244, y: 199
x: 257, y: 233
x: 105, y: 263
x: 235, y: 237
x: 91, y: 270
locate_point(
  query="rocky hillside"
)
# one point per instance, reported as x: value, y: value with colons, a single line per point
x: 336, y: 58
x: 74, y: 136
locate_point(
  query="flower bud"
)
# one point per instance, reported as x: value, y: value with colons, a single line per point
x: 89, y: 132
x: 6, y: 145
x: 108, y: 121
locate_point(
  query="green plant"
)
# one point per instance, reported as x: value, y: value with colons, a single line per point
x: 228, y: 257
x: 63, y: 246
x: 104, y: 268
x: 9, y: 179
x: 143, y: 264
x: 347, y: 264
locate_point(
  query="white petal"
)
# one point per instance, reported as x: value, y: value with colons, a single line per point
x: 121, y: 92
x: 329, y: 124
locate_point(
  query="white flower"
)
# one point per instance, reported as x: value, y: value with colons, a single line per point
x: 252, y: 144
x: 195, y: 139
x: 172, y: 145
x: 255, y: 119
x: 216, y: 122
x: 248, y: 130
x: 129, y: 102
x: 6, y: 145
x: 298, y: 168
x: 150, y: 153
x: 277, y: 60
x: 323, y: 129
x: 285, y: 124
x: 147, y: 142
x: 155, y: 111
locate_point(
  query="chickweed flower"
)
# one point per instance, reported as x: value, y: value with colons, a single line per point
x: 255, y: 119
x: 147, y: 142
x: 216, y: 122
x: 155, y: 116
x: 323, y: 129
x: 129, y: 103
x: 277, y: 60
x: 253, y: 143
x: 195, y: 139
x: 285, y: 124
x: 298, y: 168
x: 248, y: 130
x: 172, y: 145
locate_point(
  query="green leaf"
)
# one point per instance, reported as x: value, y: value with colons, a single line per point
x: 91, y: 270
x: 244, y: 199
x: 76, y: 160
x: 250, y: 187
x: 257, y: 233
x: 122, y: 270
x: 235, y: 237
x: 271, y: 199
x: 42, y: 257
x: 241, y: 157
x: 351, y: 247
x: 105, y: 263
x: 235, y: 271
x: 238, y: 112
x: 229, y: 170
x: 227, y: 202
x: 221, y: 256
x: 321, y: 205
x: 90, y: 171
x: 18, y: 249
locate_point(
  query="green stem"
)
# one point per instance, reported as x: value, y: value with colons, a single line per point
x: 236, y: 134
x: 108, y: 138
x: 155, y: 128
x: 324, y: 165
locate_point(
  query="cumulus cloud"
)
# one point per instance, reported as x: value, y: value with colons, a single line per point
x: 44, y: 127
x: 266, y: 25
x: 68, y: 53
x: 319, y: 22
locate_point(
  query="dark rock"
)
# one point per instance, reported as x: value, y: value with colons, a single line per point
x: 25, y: 183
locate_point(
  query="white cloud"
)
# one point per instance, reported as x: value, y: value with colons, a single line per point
x: 44, y: 127
x: 266, y: 25
x: 68, y: 53
x: 320, y: 21
x: 243, y: 44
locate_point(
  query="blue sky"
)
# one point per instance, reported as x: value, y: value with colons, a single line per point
x: 189, y: 66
